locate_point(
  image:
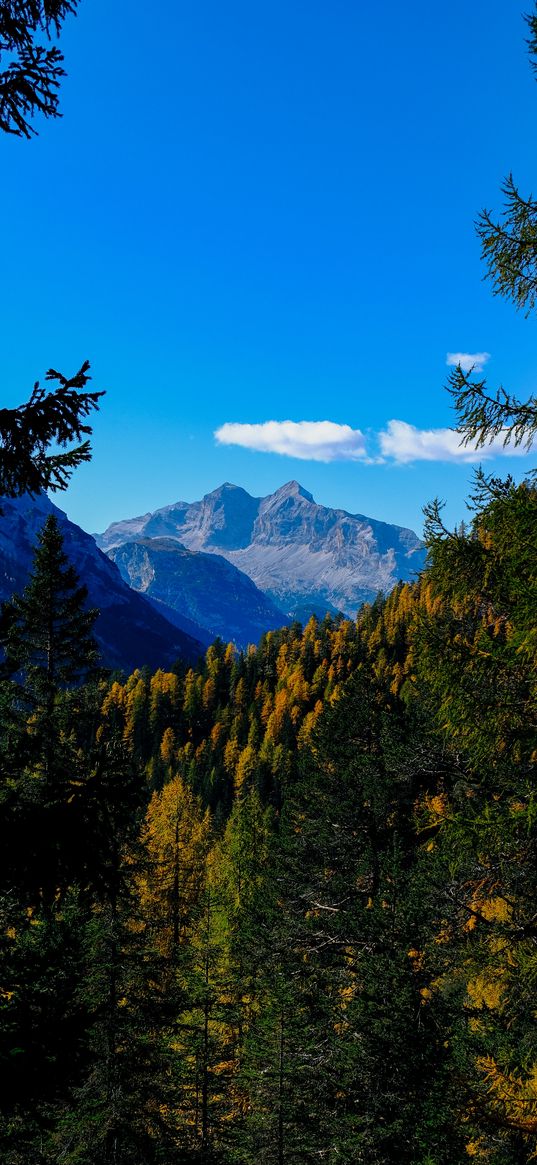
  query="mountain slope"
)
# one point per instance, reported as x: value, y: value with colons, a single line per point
x: 305, y: 556
x: 130, y: 632
x: 205, y: 588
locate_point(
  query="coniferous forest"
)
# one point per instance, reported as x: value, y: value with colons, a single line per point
x: 279, y: 907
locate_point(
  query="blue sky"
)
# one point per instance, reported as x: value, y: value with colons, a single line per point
x: 264, y: 213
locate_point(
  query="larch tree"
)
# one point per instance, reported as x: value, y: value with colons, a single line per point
x: 509, y: 251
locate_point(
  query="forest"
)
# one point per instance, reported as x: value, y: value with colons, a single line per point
x: 278, y: 907
x: 281, y: 906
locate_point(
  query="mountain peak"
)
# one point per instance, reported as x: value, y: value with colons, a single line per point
x: 292, y: 489
x: 303, y: 555
x: 226, y: 488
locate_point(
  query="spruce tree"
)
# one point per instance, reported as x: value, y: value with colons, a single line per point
x: 30, y: 80
x: 46, y: 729
x: 477, y: 655
x: 343, y: 1060
x: 117, y: 1110
x: 47, y: 632
x: 55, y: 418
x: 49, y: 650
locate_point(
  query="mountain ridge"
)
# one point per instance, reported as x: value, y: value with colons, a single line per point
x: 306, y: 557
x: 130, y: 631
x: 199, y: 590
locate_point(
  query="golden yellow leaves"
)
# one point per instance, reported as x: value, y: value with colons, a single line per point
x: 168, y: 746
x: 485, y: 991
x: 516, y: 1094
x: 477, y: 1148
x: 416, y: 958
x: 488, y: 908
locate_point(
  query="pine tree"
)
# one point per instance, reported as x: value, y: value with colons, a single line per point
x: 343, y: 1060
x: 53, y: 418
x: 45, y: 862
x: 46, y: 634
x: 477, y: 655
x: 117, y: 1108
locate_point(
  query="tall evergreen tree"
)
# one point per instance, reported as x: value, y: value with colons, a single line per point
x: 117, y: 1110
x: 46, y: 635
x: 46, y: 632
x: 47, y: 724
x: 342, y: 1060
x: 478, y: 657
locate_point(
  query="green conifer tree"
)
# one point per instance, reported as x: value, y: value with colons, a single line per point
x: 343, y: 1061
x: 49, y: 649
x: 477, y: 656
x: 47, y: 718
x: 55, y: 418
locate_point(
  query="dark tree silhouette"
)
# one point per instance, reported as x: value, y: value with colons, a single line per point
x: 47, y: 631
x: 30, y: 79
x: 54, y: 418
x: 484, y: 415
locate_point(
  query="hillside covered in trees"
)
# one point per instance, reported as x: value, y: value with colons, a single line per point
x: 280, y: 907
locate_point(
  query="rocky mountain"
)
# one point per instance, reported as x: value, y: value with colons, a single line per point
x: 130, y: 631
x: 306, y: 557
x: 208, y: 594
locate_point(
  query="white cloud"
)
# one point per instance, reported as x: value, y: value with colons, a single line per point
x: 399, y: 443
x: 403, y: 443
x: 307, y: 440
x: 468, y: 360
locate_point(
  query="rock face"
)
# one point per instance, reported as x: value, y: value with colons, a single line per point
x: 130, y: 632
x: 305, y: 557
x: 208, y: 594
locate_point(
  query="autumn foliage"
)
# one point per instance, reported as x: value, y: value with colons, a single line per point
x: 284, y: 905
